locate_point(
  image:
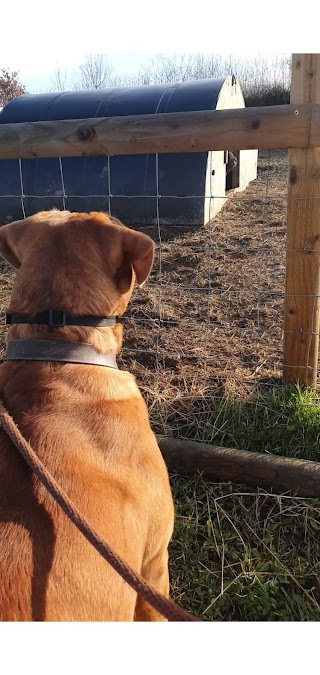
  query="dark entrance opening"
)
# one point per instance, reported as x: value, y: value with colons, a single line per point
x: 232, y: 161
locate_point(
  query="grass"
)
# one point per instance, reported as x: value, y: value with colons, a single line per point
x: 284, y: 422
x: 244, y: 555
x: 239, y: 555
x: 276, y: 419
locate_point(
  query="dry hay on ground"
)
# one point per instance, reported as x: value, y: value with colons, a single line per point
x: 218, y: 292
x: 220, y: 300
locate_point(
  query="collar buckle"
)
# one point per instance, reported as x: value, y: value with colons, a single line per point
x: 57, y: 318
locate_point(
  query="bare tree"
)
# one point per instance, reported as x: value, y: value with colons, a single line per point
x: 264, y: 80
x: 10, y: 87
x: 181, y: 67
x: 59, y: 79
x: 96, y: 72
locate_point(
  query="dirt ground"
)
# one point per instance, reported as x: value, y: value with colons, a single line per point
x: 209, y: 321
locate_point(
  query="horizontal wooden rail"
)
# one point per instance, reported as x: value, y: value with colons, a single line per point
x: 284, y: 126
x: 279, y: 474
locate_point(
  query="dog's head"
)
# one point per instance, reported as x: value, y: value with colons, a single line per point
x: 83, y: 263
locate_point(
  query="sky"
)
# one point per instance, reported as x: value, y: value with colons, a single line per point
x: 38, y: 79
x: 37, y: 36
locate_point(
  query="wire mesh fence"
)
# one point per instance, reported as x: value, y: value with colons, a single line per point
x: 205, y: 332
x: 209, y: 323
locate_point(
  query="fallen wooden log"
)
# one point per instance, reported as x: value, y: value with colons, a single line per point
x: 279, y: 474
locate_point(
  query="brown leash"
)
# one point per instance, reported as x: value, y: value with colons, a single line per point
x: 167, y: 608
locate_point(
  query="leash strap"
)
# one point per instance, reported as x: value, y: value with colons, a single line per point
x: 166, y: 607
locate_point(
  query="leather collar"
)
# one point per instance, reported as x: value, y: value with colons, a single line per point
x: 58, y: 318
x: 57, y: 351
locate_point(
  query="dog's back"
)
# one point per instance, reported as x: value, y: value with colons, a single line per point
x: 89, y: 426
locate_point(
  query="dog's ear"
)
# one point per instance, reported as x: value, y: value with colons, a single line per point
x: 138, y: 251
x: 14, y: 239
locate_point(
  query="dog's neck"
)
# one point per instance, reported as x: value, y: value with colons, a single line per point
x: 105, y: 340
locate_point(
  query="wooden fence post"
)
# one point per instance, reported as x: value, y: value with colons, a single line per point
x: 302, y: 306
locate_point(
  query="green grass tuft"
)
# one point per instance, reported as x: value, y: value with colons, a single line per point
x: 284, y: 422
x: 244, y: 556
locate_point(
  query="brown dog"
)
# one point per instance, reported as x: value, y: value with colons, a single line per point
x: 87, y: 423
